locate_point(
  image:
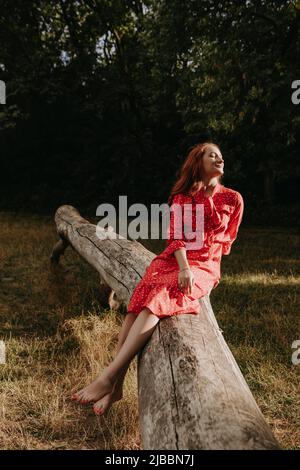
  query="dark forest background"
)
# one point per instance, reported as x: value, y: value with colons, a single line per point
x: 105, y: 97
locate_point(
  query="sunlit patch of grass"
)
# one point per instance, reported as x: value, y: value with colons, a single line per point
x: 59, y: 333
x: 37, y: 381
x: 263, y: 278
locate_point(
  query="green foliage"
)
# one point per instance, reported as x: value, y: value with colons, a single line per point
x: 104, y: 97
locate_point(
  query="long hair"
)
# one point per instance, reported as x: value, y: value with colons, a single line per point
x: 190, y: 179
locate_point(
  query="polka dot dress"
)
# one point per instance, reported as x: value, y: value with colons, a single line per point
x: 158, y: 289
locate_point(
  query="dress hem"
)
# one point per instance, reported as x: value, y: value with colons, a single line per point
x: 191, y: 312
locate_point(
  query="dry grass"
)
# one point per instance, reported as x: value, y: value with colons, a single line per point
x: 59, y: 333
x: 37, y: 380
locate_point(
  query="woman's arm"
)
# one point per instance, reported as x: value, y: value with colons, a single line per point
x: 176, y: 242
x: 185, y: 275
x: 181, y: 258
x: 177, y: 246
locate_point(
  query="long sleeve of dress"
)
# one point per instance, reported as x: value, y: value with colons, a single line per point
x: 175, y: 232
x: 233, y: 224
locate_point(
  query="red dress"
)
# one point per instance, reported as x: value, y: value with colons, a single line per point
x: 158, y: 289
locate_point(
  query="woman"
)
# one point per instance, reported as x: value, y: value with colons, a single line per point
x: 182, y: 273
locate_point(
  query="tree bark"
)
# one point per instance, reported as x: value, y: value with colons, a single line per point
x: 192, y: 394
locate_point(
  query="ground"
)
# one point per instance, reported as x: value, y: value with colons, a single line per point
x: 59, y: 332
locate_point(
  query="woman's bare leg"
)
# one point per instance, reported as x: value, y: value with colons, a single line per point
x: 138, y: 335
x: 117, y: 394
x: 125, y: 328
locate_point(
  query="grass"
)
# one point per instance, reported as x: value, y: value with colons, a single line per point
x: 59, y: 332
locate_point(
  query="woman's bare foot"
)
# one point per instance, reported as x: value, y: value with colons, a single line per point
x: 93, y: 392
x: 104, y: 403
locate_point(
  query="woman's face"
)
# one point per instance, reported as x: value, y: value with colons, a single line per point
x: 212, y: 161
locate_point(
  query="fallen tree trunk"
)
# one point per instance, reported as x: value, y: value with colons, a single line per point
x: 192, y: 394
x: 120, y: 263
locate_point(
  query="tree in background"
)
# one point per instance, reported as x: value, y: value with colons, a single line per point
x: 105, y: 98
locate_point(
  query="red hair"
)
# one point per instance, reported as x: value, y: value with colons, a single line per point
x: 191, y: 172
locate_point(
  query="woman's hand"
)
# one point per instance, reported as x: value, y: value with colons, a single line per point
x: 186, y: 281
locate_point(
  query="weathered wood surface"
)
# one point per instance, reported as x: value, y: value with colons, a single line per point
x: 121, y: 263
x: 191, y: 392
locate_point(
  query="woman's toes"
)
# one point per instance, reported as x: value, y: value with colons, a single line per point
x: 75, y: 396
x: 84, y: 399
x: 104, y: 404
x: 98, y: 409
x: 79, y: 397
